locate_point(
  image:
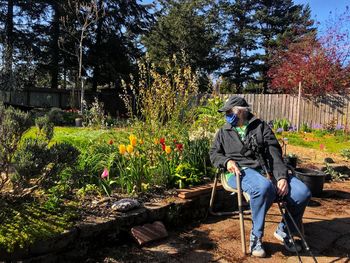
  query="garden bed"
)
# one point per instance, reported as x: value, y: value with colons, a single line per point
x: 100, y: 225
x: 217, y: 239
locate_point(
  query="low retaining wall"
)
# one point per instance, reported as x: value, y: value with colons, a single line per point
x: 94, y: 232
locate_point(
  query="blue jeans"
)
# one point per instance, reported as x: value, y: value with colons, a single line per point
x: 263, y: 193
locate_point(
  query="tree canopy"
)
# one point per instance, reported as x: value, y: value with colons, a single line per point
x: 244, y: 42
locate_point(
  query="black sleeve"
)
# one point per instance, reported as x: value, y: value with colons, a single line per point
x: 274, y: 154
x: 217, y: 153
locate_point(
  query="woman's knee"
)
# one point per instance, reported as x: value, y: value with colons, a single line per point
x: 267, y: 189
x: 299, y: 191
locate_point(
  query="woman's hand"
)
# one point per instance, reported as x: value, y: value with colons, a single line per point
x: 282, y: 187
x: 232, y: 167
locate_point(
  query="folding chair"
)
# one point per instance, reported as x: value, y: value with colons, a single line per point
x: 239, y: 193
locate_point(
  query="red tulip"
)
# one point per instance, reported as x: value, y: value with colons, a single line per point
x: 179, y: 146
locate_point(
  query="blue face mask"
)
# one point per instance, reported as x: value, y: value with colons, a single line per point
x: 232, y: 119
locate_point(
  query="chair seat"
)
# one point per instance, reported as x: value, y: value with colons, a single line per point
x: 228, y: 188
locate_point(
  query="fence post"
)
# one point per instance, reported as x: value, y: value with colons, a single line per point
x: 298, y: 111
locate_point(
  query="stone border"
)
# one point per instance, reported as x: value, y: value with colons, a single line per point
x: 74, y: 244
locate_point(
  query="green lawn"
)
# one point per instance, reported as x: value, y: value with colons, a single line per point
x: 316, y: 140
x: 82, y: 137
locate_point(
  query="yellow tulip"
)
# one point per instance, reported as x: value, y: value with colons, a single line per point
x: 167, y: 149
x: 131, y: 137
x: 129, y: 148
x: 122, y: 149
x: 156, y: 141
x: 141, y: 141
x: 133, y: 142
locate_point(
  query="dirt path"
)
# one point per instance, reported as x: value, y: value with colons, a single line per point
x: 217, y: 239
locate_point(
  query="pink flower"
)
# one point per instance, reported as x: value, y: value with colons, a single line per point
x: 321, y: 147
x: 105, y: 173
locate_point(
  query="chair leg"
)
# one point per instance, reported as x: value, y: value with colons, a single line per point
x: 241, y: 216
x: 212, y: 198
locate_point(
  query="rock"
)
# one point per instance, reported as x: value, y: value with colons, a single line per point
x: 149, y: 232
x: 125, y: 205
x: 328, y: 160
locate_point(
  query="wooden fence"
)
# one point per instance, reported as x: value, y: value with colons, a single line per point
x: 60, y: 98
x: 314, y: 112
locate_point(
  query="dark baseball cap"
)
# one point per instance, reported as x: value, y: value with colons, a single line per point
x: 232, y: 102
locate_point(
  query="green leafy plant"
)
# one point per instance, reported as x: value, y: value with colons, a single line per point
x: 162, y: 98
x: 281, y: 124
x: 305, y: 128
x: 95, y: 115
x: 186, y: 175
x: 335, y: 175
x: 345, y: 153
x: 207, y: 115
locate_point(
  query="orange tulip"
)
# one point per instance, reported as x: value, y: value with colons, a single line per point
x: 167, y: 149
x: 133, y: 140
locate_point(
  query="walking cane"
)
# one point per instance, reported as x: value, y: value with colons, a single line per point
x: 282, y: 204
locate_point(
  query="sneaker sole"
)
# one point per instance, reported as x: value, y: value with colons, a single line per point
x: 281, y: 239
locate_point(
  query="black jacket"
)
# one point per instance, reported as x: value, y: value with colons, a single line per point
x: 227, y: 146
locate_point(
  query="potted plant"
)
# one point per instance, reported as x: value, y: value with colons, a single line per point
x: 314, y: 179
x: 291, y: 159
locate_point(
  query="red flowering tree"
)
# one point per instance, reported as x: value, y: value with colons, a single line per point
x: 322, y: 65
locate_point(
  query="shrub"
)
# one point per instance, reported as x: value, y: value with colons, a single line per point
x: 36, y: 160
x: 13, y: 124
x: 55, y: 116
x: 60, y: 117
x: 45, y: 128
x: 30, y: 160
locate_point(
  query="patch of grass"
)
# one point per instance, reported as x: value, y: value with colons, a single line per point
x: 83, y: 137
x: 318, y: 140
x: 22, y: 224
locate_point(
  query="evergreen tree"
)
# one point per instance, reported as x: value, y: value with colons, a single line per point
x: 186, y: 29
x: 114, y: 44
x: 280, y: 22
x: 240, y: 34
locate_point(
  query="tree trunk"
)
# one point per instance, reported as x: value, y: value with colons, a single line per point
x: 96, y: 73
x: 9, y: 46
x: 54, y: 46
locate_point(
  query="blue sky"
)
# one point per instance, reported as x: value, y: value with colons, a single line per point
x: 320, y: 9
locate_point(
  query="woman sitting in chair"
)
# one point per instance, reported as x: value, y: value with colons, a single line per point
x: 229, y: 151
